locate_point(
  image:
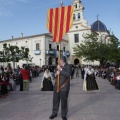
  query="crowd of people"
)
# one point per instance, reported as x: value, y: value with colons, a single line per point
x: 49, y: 77
x: 112, y: 74
x: 10, y: 78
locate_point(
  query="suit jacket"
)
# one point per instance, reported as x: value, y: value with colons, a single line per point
x: 82, y: 71
x: 64, y: 75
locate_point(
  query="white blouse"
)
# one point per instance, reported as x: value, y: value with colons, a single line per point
x: 45, y: 75
x: 89, y: 72
x: 118, y: 77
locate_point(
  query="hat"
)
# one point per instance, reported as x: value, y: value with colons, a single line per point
x: 63, y: 58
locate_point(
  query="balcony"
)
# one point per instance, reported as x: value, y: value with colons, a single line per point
x: 50, y: 52
x: 55, y: 53
x: 37, y: 52
x: 67, y: 53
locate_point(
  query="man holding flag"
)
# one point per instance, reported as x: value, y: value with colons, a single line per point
x: 59, y: 22
x: 64, y: 70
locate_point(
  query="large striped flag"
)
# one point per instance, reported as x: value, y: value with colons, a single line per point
x: 60, y: 21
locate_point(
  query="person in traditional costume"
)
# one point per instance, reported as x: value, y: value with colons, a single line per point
x: 89, y: 80
x: 47, y: 81
x: 84, y: 82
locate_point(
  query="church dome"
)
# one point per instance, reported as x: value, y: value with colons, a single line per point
x: 98, y: 26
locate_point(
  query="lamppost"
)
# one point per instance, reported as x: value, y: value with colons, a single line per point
x: 40, y: 62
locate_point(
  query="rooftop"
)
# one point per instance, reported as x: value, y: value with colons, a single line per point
x: 98, y: 26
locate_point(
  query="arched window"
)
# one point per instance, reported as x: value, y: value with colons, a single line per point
x: 74, y: 17
x: 78, y: 16
x: 75, y: 5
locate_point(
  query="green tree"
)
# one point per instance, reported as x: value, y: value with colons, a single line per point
x: 25, y: 54
x: 94, y: 49
x: 114, y: 51
x: 13, y: 54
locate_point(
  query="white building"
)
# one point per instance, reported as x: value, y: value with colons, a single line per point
x: 43, y: 50
x: 41, y: 47
x: 80, y: 28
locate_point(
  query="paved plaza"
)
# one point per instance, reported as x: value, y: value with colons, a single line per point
x: 37, y: 105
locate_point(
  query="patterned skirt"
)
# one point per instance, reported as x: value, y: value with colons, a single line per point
x: 91, y: 83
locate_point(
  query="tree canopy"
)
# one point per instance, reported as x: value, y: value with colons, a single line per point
x: 13, y: 54
x: 93, y: 48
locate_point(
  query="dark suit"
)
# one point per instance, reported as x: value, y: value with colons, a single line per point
x: 82, y: 73
x: 63, y: 94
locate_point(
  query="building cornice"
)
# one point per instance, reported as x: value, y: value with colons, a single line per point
x: 31, y: 36
x: 80, y: 23
x: 28, y: 37
x: 79, y: 30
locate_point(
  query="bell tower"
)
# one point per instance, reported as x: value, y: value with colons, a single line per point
x: 78, y: 16
x: 80, y: 27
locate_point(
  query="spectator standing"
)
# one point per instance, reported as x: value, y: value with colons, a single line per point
x: 77, y: 71
x: 82, y: 73
x: 15, y: 81
x: 25, y: 74
x: 73, y: 72
x: 118, y: 80
x: 21, y: 81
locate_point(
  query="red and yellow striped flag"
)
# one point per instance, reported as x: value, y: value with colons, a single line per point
x: 60, y: 21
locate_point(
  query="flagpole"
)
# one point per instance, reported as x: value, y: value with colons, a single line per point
x: 58, y: 78
x: 61, y: 4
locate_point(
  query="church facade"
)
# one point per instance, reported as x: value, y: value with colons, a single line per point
x: 44, y: 51
x: 80, y: 28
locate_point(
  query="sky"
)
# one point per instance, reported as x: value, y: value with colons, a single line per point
x: 29, y: 16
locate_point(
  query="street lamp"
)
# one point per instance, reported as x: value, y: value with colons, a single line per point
x: 40, y: 62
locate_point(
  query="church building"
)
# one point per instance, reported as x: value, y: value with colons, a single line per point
x: 80, y: 28
x: 44, y: 51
